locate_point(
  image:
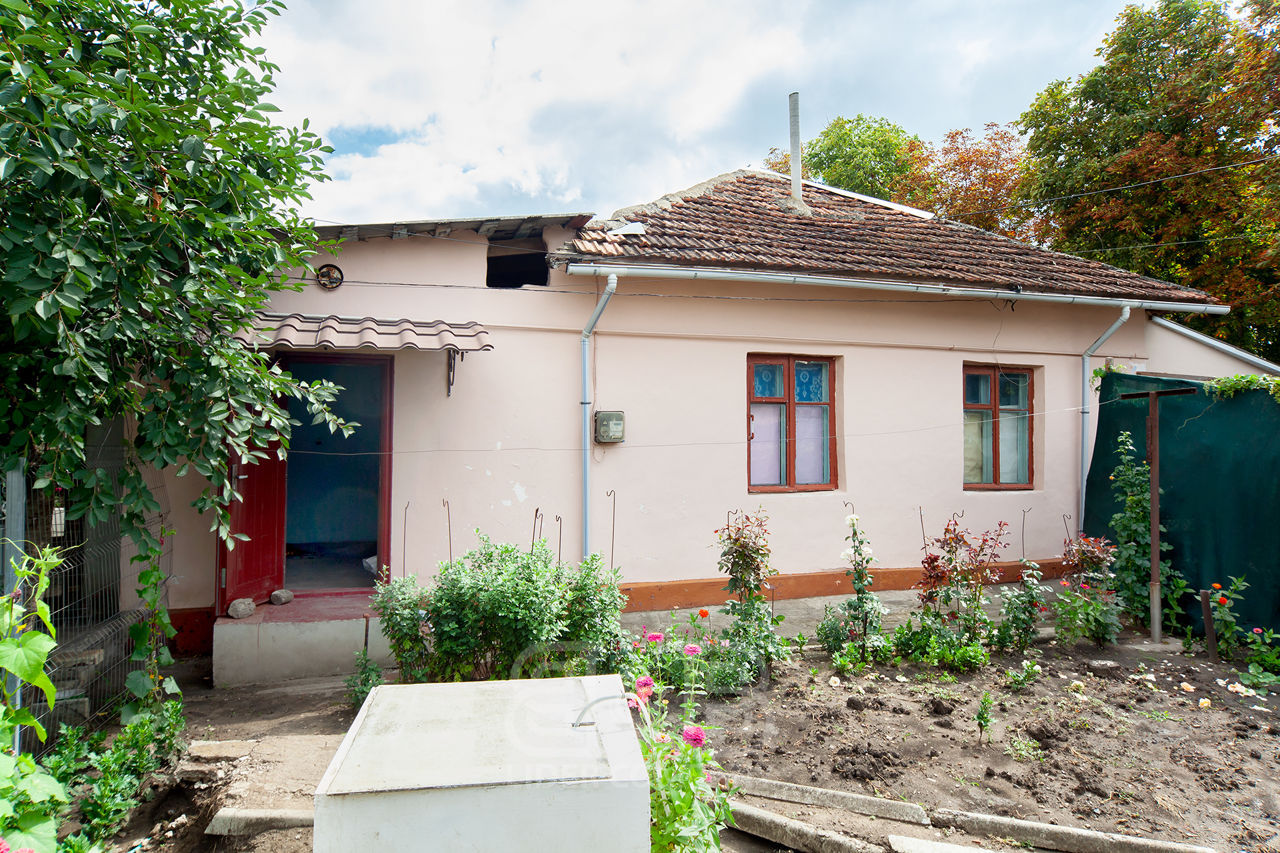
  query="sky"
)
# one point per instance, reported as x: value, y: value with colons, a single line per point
x: 441, y: 109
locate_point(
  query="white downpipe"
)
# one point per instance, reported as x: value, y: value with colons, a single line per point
x: 700, y: 273
x: 609, y: 289
x: 1085, y: 396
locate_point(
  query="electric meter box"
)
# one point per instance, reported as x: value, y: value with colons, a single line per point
x: 610, y: 427
x: 490, y: 765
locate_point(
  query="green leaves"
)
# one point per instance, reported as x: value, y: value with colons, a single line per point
x: 25, y: 656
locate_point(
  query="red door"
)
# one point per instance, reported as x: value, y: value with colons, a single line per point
x: 255, y: 568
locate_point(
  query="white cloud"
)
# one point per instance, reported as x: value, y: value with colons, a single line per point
x: 519, y: 107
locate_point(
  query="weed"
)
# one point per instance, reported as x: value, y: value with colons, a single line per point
x: 1024, y: 749
x: 983, y: 715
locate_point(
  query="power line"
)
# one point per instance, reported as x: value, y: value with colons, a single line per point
x: 1114, y: 189
x: 1170, y: 243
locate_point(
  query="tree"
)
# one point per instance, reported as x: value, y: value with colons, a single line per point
x: 976, y: 181
x: 147, y: 211
x: 862, y: 154
x: 1177, y: 113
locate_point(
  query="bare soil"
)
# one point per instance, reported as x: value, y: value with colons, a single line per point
x: 1132, y: 752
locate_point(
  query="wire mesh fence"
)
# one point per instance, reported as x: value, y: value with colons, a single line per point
x: 90, y: 596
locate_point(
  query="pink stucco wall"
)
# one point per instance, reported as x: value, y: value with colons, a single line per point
x: 507, y: 440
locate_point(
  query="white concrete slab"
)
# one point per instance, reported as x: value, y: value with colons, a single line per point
x: 488, y: 766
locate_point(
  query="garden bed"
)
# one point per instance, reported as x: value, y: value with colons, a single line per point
x: 1129, y: 750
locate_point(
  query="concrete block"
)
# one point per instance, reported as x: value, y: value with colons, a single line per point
x: 902, y: 844
x: 858, y: 803
x: 254, y: 652
x: 795, y: 834
x: 232, y: 821
x: 1054, y: 837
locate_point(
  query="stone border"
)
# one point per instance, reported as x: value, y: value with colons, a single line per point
x: 806, y: 795
x: 794, y: 833
x: 233, y: 821
x: 1054, y: 837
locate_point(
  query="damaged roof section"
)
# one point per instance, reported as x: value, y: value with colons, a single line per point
x: 747, y: 220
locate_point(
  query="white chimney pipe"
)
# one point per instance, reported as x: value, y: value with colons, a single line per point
x: 794, y: 101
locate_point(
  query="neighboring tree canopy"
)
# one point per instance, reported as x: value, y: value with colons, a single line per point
x: 146, y: 213
x: 976, y: 181
x: 1182, y: 89
x: 862, y: 154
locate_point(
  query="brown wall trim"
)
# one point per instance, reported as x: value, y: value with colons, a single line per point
x: 195, y: 631
x: 664, y: 595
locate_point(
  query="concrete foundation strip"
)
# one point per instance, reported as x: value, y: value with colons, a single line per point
x: 233, y: 821
x: 858, y: 803
x: 1053, y: 837
x: 795, y: 834
x: 902, y: 844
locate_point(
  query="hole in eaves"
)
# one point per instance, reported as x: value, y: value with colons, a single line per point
x: 515, y: 263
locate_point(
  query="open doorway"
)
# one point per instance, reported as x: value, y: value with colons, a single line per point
x: 336, y: 486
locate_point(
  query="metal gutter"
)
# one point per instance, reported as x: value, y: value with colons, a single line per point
x: 702, y: 273
x: 609, y: 290
x: 1085, y: 396
x: 1213, y: 343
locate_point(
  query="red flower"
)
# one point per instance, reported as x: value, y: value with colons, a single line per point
x: 1216, y: 585
x: 1064, y: 582
x: 1222, y: 599
x: 703, y: 613
x: 1084, y: 586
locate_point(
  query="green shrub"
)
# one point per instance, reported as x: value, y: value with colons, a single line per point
x: 744, y: 557
x: 1131, y: 484
x: 367, y: 676
x: 1020, y: 610
x: 503, y: 612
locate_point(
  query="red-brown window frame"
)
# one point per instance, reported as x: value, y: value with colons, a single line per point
x: 993, y: 371
x: 788, y: 362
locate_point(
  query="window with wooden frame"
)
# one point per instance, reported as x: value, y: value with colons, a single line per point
x: 997, y: 427
x: 791, y: 437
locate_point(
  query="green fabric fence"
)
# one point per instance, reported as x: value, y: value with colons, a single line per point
x: 1219, y: 480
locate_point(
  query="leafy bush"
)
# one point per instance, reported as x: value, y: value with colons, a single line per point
x: 502, y: 612
x: 857, y: 620
x: 957, y: 569
x: 367, y: 676
x: 1020, y: 610
x: 1131, y: 483
x: 1086, y: 606
x: 744, y: 557
x: 681, y: 653
x: 1222, y: 608
x: 1020, y: 679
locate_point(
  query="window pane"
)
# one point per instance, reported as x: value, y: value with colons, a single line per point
x: 767, y: 380
x: 977, y: 447
x: 977, y: 389
x: 812, y: 445
x: 1013, y: 392
x: 811, y: 382
x: 1013, y: 448
x: 768, y: 444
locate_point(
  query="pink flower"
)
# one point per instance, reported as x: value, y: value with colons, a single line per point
x: 655, y: 637
x: 1084, y: 586
x: 1257, y: 630
x: 693, y: 649
x: 644, y: 688
x: 694, y: 736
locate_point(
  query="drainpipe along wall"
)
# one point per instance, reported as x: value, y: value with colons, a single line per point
x: 609, y: 289
x: 1086, y: 396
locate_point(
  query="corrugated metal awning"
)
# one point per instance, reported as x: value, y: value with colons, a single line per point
x: 309, y: 331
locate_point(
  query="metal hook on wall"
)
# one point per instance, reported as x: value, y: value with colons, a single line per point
x: 924, y: 537
x: 613, y: 531
x: 1066, y: 516
x: 849, y: 504
x: 1024, y: 531
x: 448, y: 516
x: 404, y: 546
x: 560, y: 540
x: 956, y: 516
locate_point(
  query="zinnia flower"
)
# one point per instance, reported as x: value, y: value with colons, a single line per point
x: 1084, y: 586
x: 704, y: 613
x: 694, y: 736
x: 1216, y: 585
x: 851, y: 520
x: 1222, y: 599
x: 693, y: 649
x: 1257, y: 630
x: 655, y: 637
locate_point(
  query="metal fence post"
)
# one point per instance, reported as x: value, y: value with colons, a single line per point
x: 14, y: 532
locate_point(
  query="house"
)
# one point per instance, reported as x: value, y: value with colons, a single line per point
x: 617, y: 386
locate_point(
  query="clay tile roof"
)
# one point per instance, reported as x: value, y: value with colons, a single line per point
x: 746, y: 220
x: 305, y: 331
